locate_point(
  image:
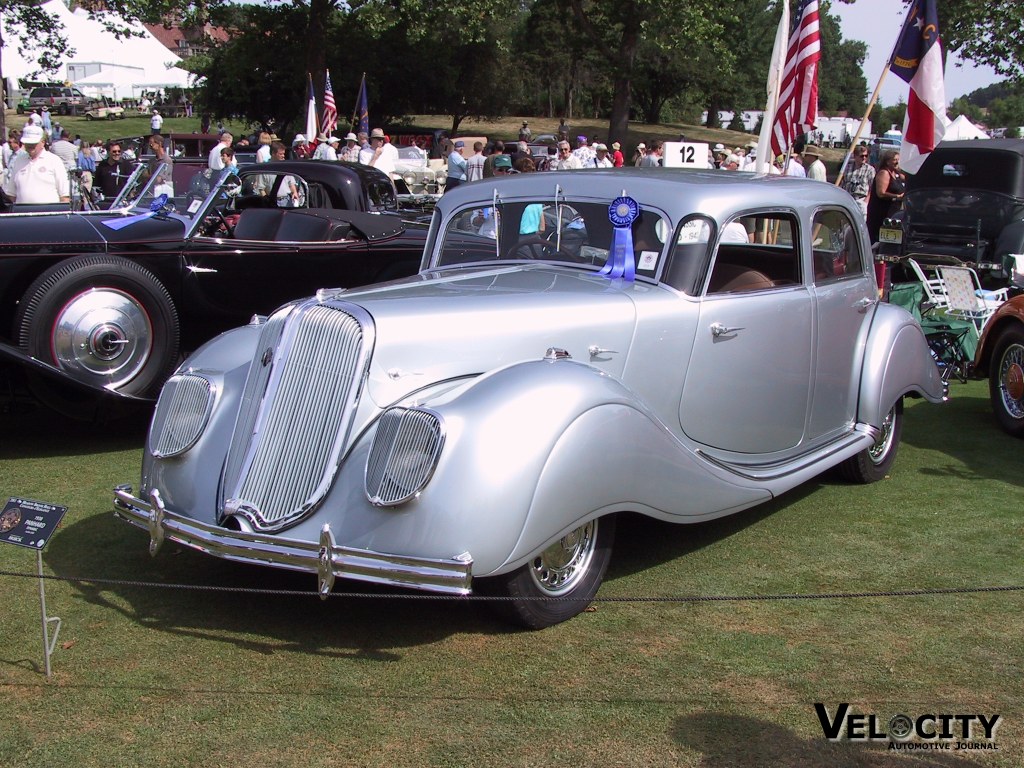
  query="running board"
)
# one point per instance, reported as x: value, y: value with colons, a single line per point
x: 861, y: 437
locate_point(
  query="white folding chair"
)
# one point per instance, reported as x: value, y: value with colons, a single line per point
x: 934, y: 289
x: 967, y: 300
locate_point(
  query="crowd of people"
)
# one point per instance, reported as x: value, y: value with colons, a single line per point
x: 39, y: 161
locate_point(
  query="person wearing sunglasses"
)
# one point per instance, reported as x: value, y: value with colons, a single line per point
x: 860, y: 178
x: 565, y: 160
x: 113, y: 172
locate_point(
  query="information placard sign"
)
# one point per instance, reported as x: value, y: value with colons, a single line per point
x: 685, y: 154
x: 29, y: 523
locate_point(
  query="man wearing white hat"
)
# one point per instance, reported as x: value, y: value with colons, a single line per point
x: 300, y: 148
x: 350, y: 152
x: 327, y: 149
x: 382, y: 155
x: 37, y: 176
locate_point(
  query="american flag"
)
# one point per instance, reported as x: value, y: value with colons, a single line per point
x: 330, y: 118
x: 797, y: 112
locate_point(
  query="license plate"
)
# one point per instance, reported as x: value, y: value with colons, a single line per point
x: 890, y: 235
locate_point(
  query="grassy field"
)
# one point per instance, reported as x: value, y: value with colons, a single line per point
x: 167, y: 677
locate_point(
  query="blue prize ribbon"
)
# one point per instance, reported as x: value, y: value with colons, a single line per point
x: 154, y: 207
x: 622, y: 213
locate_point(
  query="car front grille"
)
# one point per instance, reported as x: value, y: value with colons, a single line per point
x: 295, y: 414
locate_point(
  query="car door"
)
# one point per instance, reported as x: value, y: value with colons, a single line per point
x: 747, y: 387
x: 845, y: 294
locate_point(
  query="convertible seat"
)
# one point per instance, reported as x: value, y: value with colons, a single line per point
x: 299, y: 226
x: 729, y: 278
x: 258, y: 223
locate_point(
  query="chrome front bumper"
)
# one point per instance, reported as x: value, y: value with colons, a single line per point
x: 324, y: 558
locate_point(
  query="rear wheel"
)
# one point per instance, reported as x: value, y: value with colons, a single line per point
x: 571, y: 569
x: 873, y: 463
x: 1006, y: 381
x: 105, y: 321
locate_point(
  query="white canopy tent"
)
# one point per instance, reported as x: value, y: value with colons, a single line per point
x: 153, y: 66
x: 962, y: 128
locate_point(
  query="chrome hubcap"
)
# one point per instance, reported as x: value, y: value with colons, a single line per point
x: 1011, y: 380
x: 881, y: 448
x: 565, y: 563
x: 103, y: 334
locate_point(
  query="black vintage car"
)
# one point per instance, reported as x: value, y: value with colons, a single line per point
x: 112, y: 298
x: 964, y: 206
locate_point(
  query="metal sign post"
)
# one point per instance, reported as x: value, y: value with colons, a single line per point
x: 28, y: 523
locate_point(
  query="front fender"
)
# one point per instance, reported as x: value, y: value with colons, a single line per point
x: 538, y: 448
x: 897, y: 362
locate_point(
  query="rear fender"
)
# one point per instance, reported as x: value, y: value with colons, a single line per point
x: 897, y: 362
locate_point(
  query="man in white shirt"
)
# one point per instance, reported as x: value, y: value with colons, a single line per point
x: 215, y: 163
x: 812, y: 164
x: 327, y: 149
x: 156, y: 122
x: 36, y: 175
x: 383, y: 155
x: 65, y: 150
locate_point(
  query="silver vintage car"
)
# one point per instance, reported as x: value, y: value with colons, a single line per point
x: 681, y: 344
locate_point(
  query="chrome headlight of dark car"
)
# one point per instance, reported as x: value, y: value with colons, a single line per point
x: 404, y: 454
x: 182, y: 414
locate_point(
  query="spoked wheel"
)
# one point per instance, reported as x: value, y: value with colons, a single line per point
x: 107, y: 322
x: 873, y: 463
x: 1006, y: 381
x: 571, y: 569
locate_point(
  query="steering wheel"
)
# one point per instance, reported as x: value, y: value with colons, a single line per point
x: 536, y: 247
x: 219, y: 225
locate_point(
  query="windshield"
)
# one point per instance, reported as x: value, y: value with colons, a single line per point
x: 132, y: 189
x: 573, y: 232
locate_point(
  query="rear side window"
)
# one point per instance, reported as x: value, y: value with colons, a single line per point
x: 836, y: 247
x: 756, y: 252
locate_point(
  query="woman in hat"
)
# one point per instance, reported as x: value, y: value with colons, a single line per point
x: 639, y: 154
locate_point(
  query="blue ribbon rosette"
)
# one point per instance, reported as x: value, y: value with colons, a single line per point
x: 622, y: 213
x: 154, y: 208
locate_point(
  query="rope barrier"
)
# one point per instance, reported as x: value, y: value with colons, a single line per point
x: 494, y: 598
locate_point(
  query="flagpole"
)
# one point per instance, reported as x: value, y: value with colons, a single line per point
x: 359, y: 93
x: 774, y: 84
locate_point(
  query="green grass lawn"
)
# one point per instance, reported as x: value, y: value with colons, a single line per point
x: 162, y: 677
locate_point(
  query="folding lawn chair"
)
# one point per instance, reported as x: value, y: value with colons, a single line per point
x: 966, y: 298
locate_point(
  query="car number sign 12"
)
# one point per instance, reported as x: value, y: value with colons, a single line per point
x: 685, y: 154
x: 29, y: 523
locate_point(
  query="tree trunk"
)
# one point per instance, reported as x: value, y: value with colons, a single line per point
x: 714, y: 105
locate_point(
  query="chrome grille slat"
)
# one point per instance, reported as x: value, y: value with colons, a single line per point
x: 181, y: 415
x: 299, y: 423
x: 403, y: 434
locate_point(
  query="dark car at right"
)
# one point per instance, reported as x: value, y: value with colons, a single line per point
x: 964, y: 206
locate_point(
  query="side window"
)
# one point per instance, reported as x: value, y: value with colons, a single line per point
x: 756, y: 252
x: 836, y: 248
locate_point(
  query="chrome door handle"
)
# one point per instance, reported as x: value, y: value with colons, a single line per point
x: 717, y: 329
x: 864, y: 303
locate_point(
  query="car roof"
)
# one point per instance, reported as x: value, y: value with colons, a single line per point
x: 677, y: 191
x: 992, y: 164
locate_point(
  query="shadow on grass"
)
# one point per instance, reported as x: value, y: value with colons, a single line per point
x: 730, y: 741
x: 642, y: 542
x: 374, y: 627
x: 965, y: 430
x: 36, y: 432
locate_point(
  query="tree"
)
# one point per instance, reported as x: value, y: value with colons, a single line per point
x: 986, y: 32
x: 35, y: 32
x: 841, y: 83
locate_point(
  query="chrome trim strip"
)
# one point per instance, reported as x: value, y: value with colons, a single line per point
x: 324, y: 558
x: 762, y: 472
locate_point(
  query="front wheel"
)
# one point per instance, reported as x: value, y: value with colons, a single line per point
x: 560, y: 580
x: 873, y: 463
x: 1006, y: 381
x: 105, y: 321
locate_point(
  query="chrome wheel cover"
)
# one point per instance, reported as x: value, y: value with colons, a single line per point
x: 562, y: 566
x: 1011, y: 381
x: 883, y: 444
x: 103, y: 334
